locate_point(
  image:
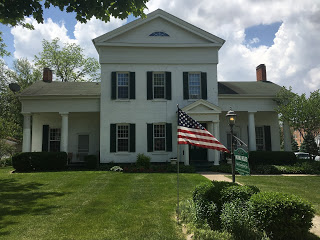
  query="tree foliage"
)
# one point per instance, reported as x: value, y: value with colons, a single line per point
x: 68, y: 62
x: 14, y: 12
x: 302, y: 113
x: 11, y: 119
x: 309, y: 145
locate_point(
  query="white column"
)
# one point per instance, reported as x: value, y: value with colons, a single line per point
x: 252, y: 132
x: 184, y: 153
x: 287, y: 137
x: 216, y: 133
x: 211, y: 152
x: 26, y: 142
x: 64, y: 132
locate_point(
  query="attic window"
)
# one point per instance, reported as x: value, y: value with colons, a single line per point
x: 159, y: 34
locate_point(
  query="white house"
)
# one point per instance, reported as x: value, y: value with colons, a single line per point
x: 149, y: 66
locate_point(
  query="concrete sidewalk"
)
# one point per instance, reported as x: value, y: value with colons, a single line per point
x: 214, y: 176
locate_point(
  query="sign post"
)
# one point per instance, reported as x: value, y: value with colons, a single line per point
x: 242, y: 163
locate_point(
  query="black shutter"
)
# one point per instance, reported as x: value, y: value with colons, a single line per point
x: 267, y: 137
x: 185, y: 86
x: 132, y: 85
x: 113, y: 138
x: 204, y: 85
x: 150, y: 137
x: 132, y: 135
x: 45, y: 138
x: 169, y: 137
x: 149, y: 86
x: 168, y: 85
x: 114, y: 85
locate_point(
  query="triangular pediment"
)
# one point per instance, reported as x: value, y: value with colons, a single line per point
x: 202, y: 107
x: 158, y: 28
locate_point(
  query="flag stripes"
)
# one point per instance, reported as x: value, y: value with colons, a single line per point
x: 192, y: 132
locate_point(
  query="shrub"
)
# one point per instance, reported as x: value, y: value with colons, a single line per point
x: 116, y: 169
x: 224, y: 168
x: 39, y: 161
x: 6, y: 162
x: 143, y: 161
x: 207, y: 198
x: 187, y: 211
x: 91, y: 161
x: 271, y: 158
x: 236, y: 219
x: 265, y: 169
x: 280, y: 215
x: 208, y: 234
x: 242, y: 193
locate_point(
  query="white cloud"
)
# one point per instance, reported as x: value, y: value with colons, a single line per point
x: 293, y: 59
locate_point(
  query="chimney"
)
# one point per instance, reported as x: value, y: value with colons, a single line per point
x: 47, y: 75
x: 261, y: 73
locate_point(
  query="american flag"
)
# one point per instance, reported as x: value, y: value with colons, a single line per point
x: 192, y: 132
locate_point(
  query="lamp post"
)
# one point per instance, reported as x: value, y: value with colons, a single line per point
x: 231, y: 115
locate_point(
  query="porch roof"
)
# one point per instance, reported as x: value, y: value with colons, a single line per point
x: 54, y: 88
x: 248, y: 88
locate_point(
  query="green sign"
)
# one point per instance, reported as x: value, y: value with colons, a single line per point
x: 242, y: 163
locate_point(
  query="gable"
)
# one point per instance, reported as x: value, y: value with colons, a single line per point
x: 165, y: 33
x: 202, y: 107
x: 138, y: 32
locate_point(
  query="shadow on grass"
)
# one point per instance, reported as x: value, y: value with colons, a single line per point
x: 18, y: 199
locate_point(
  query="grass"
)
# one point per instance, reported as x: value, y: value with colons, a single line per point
x: 91, y: 205
x: 306, y: 187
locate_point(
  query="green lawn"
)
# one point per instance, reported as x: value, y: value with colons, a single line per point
x: 91, y: 205
x: 306, y: 187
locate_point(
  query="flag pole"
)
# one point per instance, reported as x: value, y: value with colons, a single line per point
x: 178, y: 160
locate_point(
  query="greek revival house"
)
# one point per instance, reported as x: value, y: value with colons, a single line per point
x: 149, y: 66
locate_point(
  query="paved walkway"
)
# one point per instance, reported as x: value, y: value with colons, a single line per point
x: 222, y: 177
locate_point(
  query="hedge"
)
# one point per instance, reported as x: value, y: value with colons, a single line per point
x: 91, y: 161
x: 271, y: 158
x: 281, y: 216
x: 39, y: 161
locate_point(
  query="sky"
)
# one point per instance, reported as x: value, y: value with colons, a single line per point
x: 284, y: 35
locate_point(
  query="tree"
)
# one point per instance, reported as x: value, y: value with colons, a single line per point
x: 23, y: 73
x: 294, y: 145
x: 3, y: 51
x: 14, y: 12
x: 302, y: 113
x: 69, y: 63
x: 309, y: 145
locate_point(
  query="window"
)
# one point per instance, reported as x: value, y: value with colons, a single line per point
x: 159, y: 133
x: 123, y: 85
x: 159, y: 85
x: 194, y: 86
x: 54, y: 139
x: 260, y: 138
x: 159, y: 137
x: 122, y: 138
x: 159, y: 34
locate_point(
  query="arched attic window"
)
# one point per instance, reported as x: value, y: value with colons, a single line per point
x: 159, y: 34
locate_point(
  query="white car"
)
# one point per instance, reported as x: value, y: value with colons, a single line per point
x: 317, y: 158
x: 302, y: 155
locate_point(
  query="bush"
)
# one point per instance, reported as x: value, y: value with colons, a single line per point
x: 224, y: 168
x: 39, y: 161
x: 236, y: 219
x: 187, y: 211
x: 207, y: 199
x: 265, y: 169
x: 242, y: 193
x: 91, y: 161
x: 143, y: 161
x: 6, y: 162
x: 281, y: 216
x: 271, y: 158
x: 208, y: 234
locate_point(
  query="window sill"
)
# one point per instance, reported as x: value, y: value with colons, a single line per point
x: 159, y: 100
x: 122, y: 100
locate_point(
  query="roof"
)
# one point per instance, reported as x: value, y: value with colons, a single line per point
x: 257, y: 88
x: 54, y: 88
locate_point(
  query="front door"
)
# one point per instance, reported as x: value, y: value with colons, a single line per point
x: 198, y: 154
